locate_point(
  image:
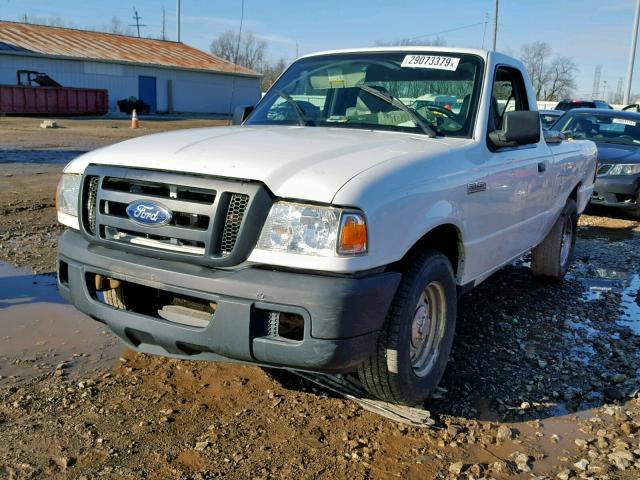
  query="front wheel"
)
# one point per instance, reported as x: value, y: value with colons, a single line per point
x: 415, y: 341
x: 551, y: 259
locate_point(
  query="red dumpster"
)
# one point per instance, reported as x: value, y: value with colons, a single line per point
x: 19, y: 99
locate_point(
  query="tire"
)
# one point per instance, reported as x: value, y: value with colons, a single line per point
x: 400, y: 371
x: 551, y: 259
x: 134, y: 298
x: 115, y: 298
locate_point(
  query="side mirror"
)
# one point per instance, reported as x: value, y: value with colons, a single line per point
x: 553, y: 136
x: 518, y: 128
x: 240, y: 113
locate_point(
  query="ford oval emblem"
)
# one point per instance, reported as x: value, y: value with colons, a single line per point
x: 148, y: 213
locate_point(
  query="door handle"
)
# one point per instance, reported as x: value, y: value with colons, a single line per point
x: 542, y: 167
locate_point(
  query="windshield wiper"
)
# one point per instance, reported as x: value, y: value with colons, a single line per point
x: 303, y: 121
x: 417, y: 119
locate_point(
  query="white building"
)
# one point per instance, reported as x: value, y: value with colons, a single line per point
x: 167, y: 76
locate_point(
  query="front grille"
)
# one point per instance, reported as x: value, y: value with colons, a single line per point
x: 603, y: 169
x: 212, y: 221
x: 92, y: 195
x: 235, y: 214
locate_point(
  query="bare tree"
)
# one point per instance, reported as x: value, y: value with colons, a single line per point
x: 553, y: 77
x: 50, y: 21
x: 250, y: 52
x: 561, y: 78
x: 116, y: 26
x: 405, y: 42
x: 271, y: 72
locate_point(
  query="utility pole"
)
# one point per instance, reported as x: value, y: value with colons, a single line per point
x: 164, y: 36
x: 137, y: 18
x: 297, y: 50
x: 484, y: 30
x: 178, y: 18
x: 604, y: 90
x: 495, y: 26
x: 632, y: 54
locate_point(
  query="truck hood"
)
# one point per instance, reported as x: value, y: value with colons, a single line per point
x: 310, y: 163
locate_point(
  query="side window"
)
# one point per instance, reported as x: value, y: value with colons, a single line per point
x: 509, y: 94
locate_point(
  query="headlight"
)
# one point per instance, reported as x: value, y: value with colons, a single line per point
x: 67, y: 194
x: 625, y: 169
x: 313, y: 230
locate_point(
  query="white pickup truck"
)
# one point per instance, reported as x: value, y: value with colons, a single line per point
x: 333, y: 228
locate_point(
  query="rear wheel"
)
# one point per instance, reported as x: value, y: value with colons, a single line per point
x: 416, y: 338
x: 551, y: 259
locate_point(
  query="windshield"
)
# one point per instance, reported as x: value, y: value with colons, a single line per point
x: 601, y: 128
x: 425, y: 93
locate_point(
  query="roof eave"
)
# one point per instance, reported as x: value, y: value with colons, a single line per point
x: 128, y: 63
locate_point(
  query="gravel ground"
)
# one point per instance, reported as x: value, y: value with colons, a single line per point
x: 543, y: 383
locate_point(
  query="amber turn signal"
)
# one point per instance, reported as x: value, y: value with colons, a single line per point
x: 353, y: 235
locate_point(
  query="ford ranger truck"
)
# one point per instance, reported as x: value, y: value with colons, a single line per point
x: 334, y: 226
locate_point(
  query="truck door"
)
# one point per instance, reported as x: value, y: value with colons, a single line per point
x: 521, y: 183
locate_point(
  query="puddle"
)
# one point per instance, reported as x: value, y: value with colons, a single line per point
x: 607, y: 281
x: 550, y: 439
x: 38, y: 329
x: 38, y: 156
x: 630, y: 304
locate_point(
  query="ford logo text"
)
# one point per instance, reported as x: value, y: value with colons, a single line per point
x: 148, y: 213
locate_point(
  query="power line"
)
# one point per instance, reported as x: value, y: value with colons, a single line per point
x: 137, y: 18
x: 484, y: 30
x: 446, y: 31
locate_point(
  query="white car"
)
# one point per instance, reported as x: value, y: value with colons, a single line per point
x: 334, y: 227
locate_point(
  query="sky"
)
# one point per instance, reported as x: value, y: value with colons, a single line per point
x: 592, y: 32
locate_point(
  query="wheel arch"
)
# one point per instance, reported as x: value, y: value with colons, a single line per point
x: 447, y: 238
x: 574, y: 193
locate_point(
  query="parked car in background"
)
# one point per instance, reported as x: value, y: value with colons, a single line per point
x: 549, y: 117
x: 617, y: 136
x: 634, y: 107
x: 571, y: 104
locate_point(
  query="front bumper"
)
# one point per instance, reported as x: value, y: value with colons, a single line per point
x: 621, y: 191
x: 342, y: 315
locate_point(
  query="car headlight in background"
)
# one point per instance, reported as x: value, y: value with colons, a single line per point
x: 625, y: 169
x: 314, y: 230
x: 67, y: 194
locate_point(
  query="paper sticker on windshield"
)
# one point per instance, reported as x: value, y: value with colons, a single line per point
x: 624, y: 121
x: 435, y: 62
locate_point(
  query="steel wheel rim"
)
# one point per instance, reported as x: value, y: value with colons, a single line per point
x: 565, y: 245
x: 427, y: 329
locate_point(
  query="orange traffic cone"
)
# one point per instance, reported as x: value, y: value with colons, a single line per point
x: 134, y: 119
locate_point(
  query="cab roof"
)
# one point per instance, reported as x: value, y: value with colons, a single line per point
x: 409, y: 48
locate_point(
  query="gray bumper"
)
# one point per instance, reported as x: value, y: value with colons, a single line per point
x: 621, y: 191
x: 342, y: 315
